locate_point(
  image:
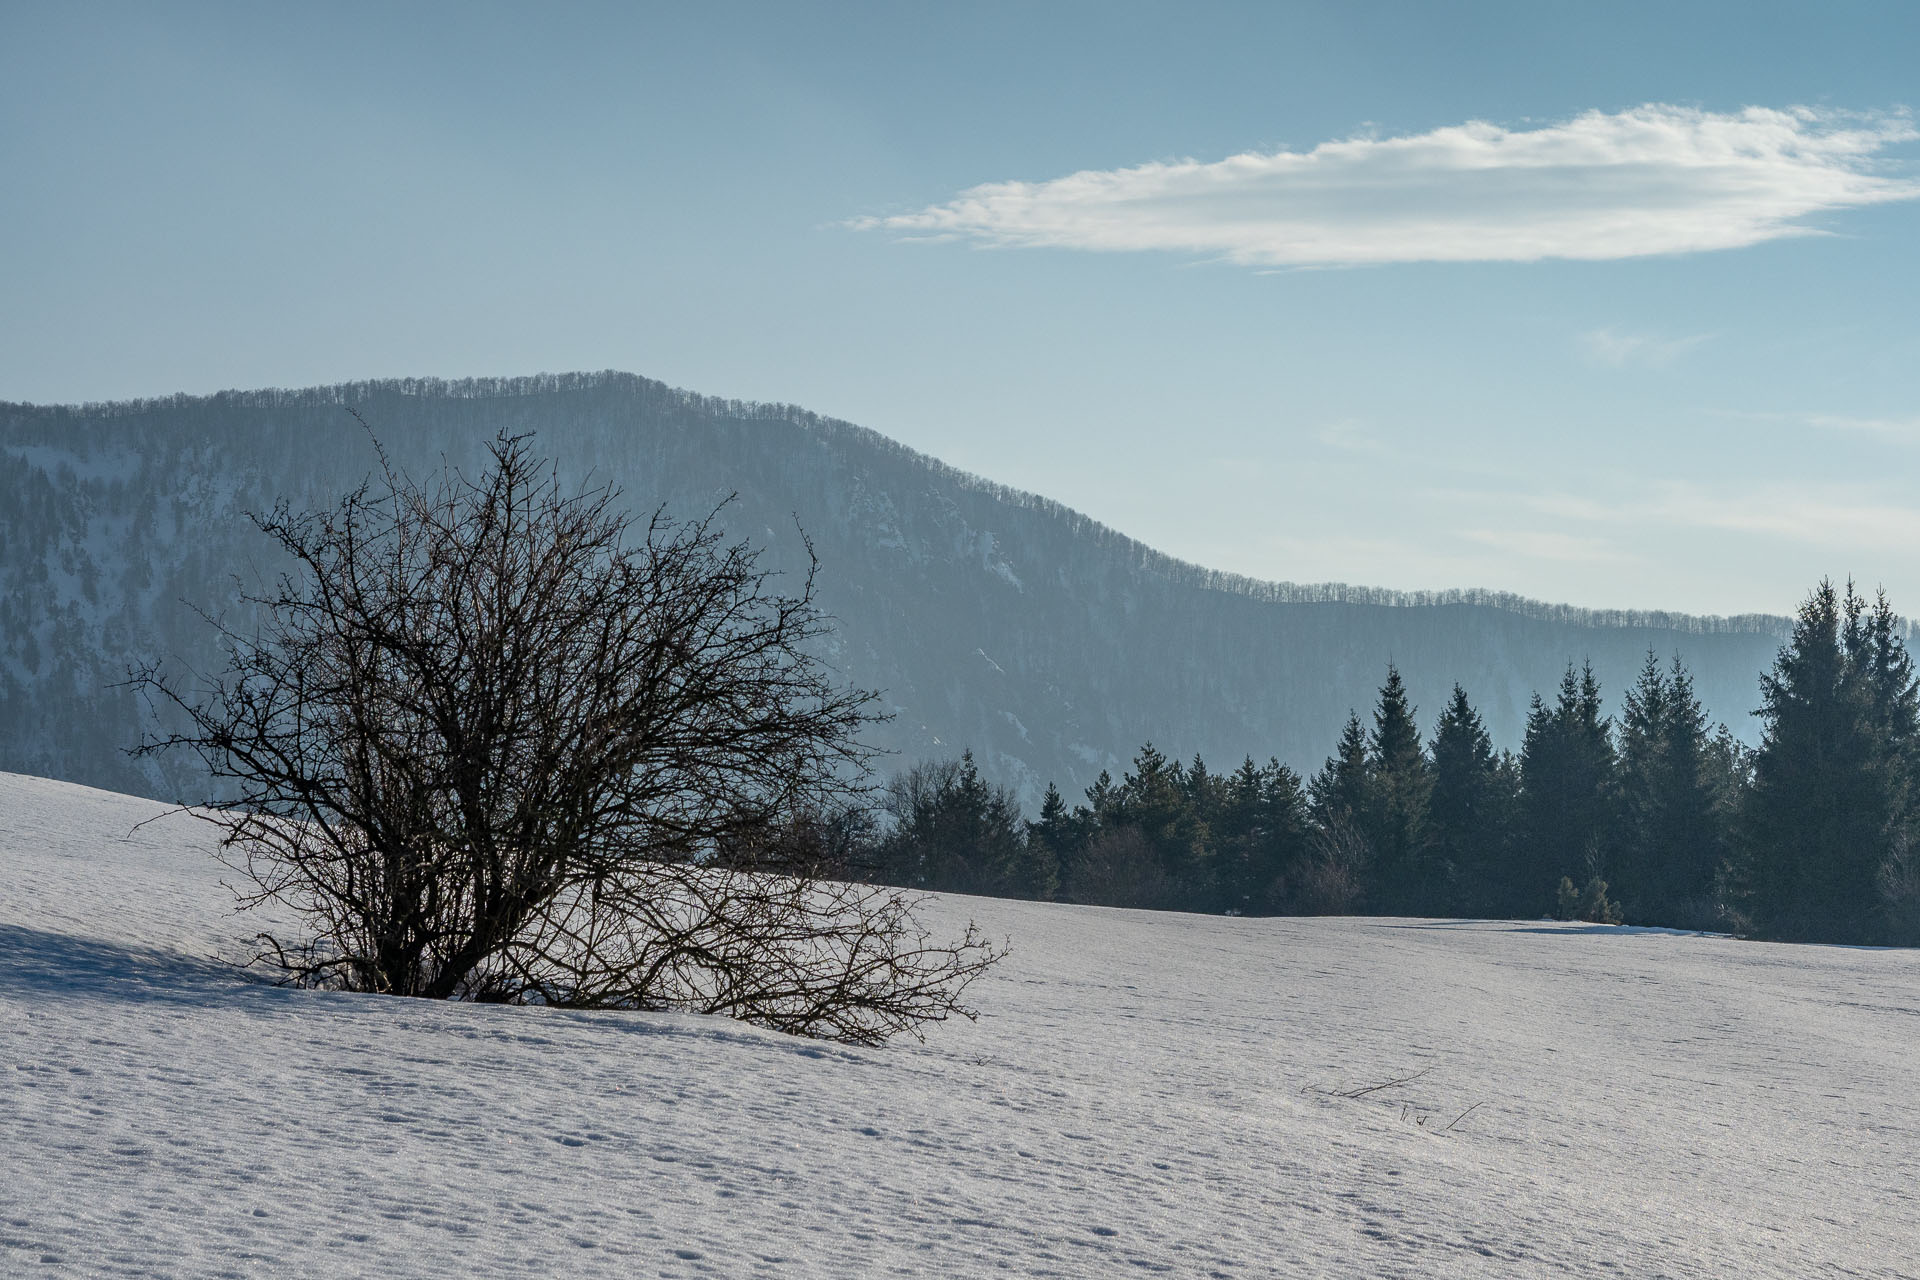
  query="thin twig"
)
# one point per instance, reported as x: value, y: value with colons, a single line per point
x: 1390, y: 1084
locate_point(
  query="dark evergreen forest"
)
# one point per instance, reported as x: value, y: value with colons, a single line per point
x: 1655, y: 817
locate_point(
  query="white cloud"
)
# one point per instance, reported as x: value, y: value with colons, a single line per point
x: 1832, y: 522
x: 1616, y: 349
x: 1653, y: 180
x: 1348, y: 436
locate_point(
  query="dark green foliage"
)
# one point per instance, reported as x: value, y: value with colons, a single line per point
x: 1470, y: 810
x: 1590, y: 904
x: 1393, y: 813
x: 1340, y: 788
x: 1660, y: 820
x: 1568, y: 796
x: 953, y: 830
x: 1829, y: 819
x: 1156, y: 799
x: 1671, y: 842
x: 1260, y: 831
x: 1051, y: 843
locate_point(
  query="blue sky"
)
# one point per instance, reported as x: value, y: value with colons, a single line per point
x: 1613, y: 304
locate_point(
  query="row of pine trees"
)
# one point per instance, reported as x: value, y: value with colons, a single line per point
x: 1658, y: 818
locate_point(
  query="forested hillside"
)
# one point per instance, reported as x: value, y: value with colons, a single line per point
x: 1050, y: 645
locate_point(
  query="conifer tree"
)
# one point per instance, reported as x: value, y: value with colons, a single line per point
x: 1205, y: 791
x: 1567, y: 795
x: 1828, y: 812
x: 953, y: 830
x: 1893, y: 697
x: 1884, y: 670
x: 1051, y: 842
x: 1259, y: 834
x: 1501, y: 853
x: 1642, y: 851
x: 1154, y: 799
x: 1101, y: 799
x: 1394, y: 814
x: 1671, y: 841
x: 1236, y: 832
x: 1468, y: 811
x: 1339, y: 789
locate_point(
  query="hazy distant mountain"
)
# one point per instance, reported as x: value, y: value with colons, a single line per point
x: 990, y: 618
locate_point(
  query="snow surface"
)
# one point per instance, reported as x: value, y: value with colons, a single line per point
x: 1143, y: 1093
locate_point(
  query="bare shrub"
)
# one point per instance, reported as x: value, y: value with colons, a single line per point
x: 1117, y: 868
x: 486, y: 749
x: 1332, y: 879
x: 1898, y: 883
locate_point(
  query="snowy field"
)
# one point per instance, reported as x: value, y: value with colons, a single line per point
x: 1144, y: 1093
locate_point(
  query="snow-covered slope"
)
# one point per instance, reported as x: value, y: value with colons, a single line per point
x: 1154, y: 1093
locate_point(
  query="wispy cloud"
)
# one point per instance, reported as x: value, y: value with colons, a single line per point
x: 1617, y: 350
x: 1544, y: 544
x: 1348, y: 436
x: 1903, y: 430
x: 1653, y: 180
x: 1814, y: 517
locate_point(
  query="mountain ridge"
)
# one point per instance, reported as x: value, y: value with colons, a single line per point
x: 991, y: 617
x: 1278, y: 591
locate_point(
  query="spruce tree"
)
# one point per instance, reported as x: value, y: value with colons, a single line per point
x: 1339, y: 789
x: 1259, y: 833
x: 1285, y: 830
x: 1393, y: 816
x: 1884, y: 669
x: 1894, y: 710
x: 1153, y: 798
x: 1467, y: 813
x: 1697, y: 811
x: 1646, y: 785
x: 1810, y: 815
x: 1205, y: 791
x: 1051, y: 842
x: 1672, y: 836
x: 1101, y: 799
x: 1535, y: 851
x: 1236, y: 832
x: 1567, y: 795
x: 1828, y: 812
x: 953, y: 830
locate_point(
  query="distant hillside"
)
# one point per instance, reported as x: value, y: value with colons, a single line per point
x: 990, y: 618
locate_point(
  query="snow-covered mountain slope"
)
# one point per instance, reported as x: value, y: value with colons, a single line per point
x: 989, y: 618
x: 1144, y: 1093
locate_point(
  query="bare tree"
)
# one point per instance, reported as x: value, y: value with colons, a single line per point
x: 1332, y: 878
x: 486, y: 749
x: 1117, y: 868
x: 1898, y: 882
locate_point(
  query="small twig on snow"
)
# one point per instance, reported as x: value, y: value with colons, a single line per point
x: 1464, y: 1114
